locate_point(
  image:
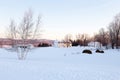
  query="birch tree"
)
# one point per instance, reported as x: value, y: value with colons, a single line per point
x: 27, y: 29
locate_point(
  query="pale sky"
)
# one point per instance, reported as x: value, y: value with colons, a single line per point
x: 60, y: 17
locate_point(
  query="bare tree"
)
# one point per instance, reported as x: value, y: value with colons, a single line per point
x: 111, y: 34
x: 82, y: 39
x: 79, y: 39
x: 27, y: 29
x: 114, y: 31
x: 117, y: 29
x: 68, y: 39
x: 102, y: 37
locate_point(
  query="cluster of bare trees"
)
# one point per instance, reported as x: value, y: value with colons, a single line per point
x: 26, y: 29
x: 80, y: 39
x: 102, y: 37
x: 110, y: 37
x: 114, y: 31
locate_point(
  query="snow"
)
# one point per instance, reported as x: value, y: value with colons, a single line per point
x: 60, y: 64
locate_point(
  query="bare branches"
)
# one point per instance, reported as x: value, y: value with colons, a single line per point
x: 27, y: 29
x: 37, y: 27
x: 114, y: 30
x: 26, y: 25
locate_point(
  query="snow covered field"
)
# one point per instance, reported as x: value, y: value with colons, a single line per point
x: 60, y: 64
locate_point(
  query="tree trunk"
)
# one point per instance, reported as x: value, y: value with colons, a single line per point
x: 117, y: 42
x: 112, y: 45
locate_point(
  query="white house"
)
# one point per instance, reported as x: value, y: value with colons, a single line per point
x: 95, y: 44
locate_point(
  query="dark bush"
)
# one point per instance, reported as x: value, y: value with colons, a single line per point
x: 99, y: 51
x: 87, y: 51
x: 75, y: 43
x: 102, y: 51
x: 43, y: 45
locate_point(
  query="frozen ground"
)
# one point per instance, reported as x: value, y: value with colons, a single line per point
x: 60, y: 64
